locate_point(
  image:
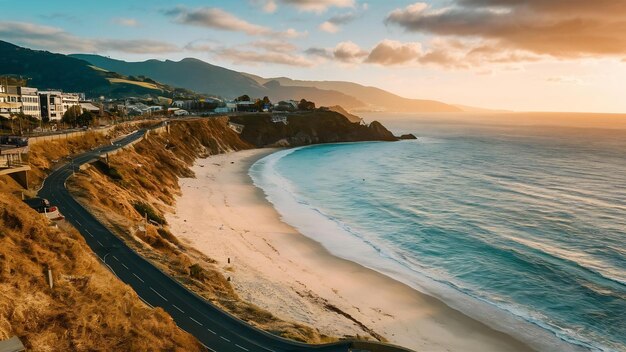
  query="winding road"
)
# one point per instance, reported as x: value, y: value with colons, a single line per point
x: 217, y: 330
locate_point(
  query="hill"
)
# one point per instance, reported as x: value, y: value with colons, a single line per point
x: 205, y: 78
x: 376, y: 98
x: 46, y: 70
x: 189, y: 73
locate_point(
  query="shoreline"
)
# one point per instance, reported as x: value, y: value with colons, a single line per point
x: 223, y: 215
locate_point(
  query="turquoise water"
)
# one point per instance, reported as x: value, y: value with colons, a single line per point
x: 523, y: 228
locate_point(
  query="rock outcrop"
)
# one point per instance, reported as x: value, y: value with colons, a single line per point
x: 308, y: 128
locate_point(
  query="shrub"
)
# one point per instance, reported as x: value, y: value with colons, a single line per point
x: 196, y: 272
x: 146, y: 210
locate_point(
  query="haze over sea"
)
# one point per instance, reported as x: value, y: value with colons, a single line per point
x: 520, y: 225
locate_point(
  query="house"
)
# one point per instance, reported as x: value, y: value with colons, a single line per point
x: 87, y: 106
x: 286, y: 105
x: 246, y: 106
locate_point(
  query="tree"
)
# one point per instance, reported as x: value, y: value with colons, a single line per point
x: 85, y: 119
x: 306, y: 105
x: 244, y: 97
x: 71, y: 115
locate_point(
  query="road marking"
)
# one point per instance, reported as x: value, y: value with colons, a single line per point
x: 140, y: 279
x: 114, y: 257
x: 155, y: 291
x: 243, y: 348
x: 78, y: 223
x: 124, y: 265
x: 207, y: 347
x: 225, y: 339
x: 100, y: 243
x: 182, y: 311
x: 197, y: 322
x: 211, y: 331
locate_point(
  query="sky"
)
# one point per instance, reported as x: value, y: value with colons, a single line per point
x: 523, y: 55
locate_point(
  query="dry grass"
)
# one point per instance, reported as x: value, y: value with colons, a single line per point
x: 137, y: 83
x: 88, y: 309
x: 149, y: 173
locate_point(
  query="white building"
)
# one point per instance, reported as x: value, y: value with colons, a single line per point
x: 54, y: 104
x: 29, y: 97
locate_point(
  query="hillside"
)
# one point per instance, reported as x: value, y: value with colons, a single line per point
x: 205, y: 78
x: 376, y: 98
x: 88, y: 309
x: 189, y: 73
x: 46, y: 70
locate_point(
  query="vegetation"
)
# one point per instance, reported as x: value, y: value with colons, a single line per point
x: 46, y: 70
x: 163, y: 159
x: 306, y: 105
x: 148, y: 211
x: 88, y: 309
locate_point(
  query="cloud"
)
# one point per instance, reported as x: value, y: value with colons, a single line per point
x: 559, y: 28
x: 126, y: 22
x: 215, y: 18
x: 56, y: 39
x: 319, y: 52
x: 565, y: 80
x: 348, y: 52
x: 318, y: 6
x: 391, y: 52
x: 328, y: 27
x: 245, y: 55
x: 332, y: 25
x: 268, y: 6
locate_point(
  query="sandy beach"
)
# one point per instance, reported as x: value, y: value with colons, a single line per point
x: 222, y: 214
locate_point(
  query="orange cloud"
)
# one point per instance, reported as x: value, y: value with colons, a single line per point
x: 560, y: 28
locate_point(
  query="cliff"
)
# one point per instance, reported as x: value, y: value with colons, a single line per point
x: 304, y: 128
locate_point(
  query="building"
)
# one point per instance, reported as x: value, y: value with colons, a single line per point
x: 9, y: 101
x: 54, y: 104
x: 29, y: 97
x: 88, y: 106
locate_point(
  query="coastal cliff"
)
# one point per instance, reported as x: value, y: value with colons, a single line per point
x: 142, y: 182
x: 310, y: 127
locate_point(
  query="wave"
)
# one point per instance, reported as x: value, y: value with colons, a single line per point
x: 343, y: 241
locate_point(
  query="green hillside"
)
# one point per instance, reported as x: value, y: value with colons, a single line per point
x: 46, y: 70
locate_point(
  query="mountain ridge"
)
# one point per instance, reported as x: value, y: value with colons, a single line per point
x: 204, y: 77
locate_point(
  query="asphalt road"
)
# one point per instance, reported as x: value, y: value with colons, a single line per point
x: 214, y: 328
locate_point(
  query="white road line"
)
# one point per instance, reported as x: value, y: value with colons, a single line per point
x: 89, y: 233
x: 124, y: 265
x: 155, y: 291
x: 243, y: 348
x: 182, y: 311
x: 100, y: 243
x: 211, y: 331
x: 197, y: 322
x: 78, y: 222
x: 114, y: 257
x: 225, y: 339
x: 140, y: 279
x: 207, y: 347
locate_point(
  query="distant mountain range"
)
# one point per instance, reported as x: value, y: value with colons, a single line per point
x: 205, y: 78
x: 46, y: 70
x: 98, y: 75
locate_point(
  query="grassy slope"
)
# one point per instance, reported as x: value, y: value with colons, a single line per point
x: 149, y: 173
x: 88, y: 309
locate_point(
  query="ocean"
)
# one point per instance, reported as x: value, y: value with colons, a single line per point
x: 519, y: 225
